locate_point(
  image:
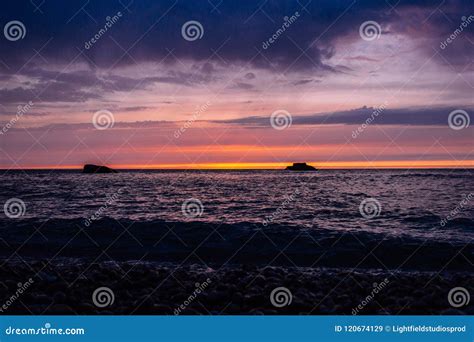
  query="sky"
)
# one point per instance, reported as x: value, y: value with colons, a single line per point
x: 236, y: 84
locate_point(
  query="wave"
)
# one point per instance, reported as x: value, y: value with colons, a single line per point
x: 453, y: 175
x: 227, y: 244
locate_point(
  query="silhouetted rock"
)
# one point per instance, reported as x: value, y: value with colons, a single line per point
x: 300, y: 167
x: 90, y: 168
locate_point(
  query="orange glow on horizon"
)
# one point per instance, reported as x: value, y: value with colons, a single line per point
x: 389, y: 164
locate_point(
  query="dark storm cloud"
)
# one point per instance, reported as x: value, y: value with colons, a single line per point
x: 305, y: 81
x: 242, y: 86
x: 378, y: 116
x: 80, y: 86
x: 120, y: 83
x: 233, y: 30
x: 119, y: 109
x: 48, y: 92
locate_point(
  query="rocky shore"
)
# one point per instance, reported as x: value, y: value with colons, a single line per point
x: 151, y: 288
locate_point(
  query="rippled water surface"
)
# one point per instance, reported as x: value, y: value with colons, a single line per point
x: 412, y: 202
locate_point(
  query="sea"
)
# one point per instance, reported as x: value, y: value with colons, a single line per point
x: 389, y: 219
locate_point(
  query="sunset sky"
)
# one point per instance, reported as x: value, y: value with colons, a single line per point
x: 207, y: 101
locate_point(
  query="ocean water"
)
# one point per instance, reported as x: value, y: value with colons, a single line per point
x: 332, y: 216
x: 410, y: 202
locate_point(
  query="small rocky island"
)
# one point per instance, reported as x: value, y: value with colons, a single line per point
x: 300, y: 167
x: 90, y: 168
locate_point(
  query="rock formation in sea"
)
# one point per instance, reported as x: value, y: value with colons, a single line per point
x: 90, y: 168
x: 301, y: 167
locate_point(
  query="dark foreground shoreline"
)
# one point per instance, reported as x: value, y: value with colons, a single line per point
x: 150, y: 288
x: 223, y: 244
x: 201, y: 268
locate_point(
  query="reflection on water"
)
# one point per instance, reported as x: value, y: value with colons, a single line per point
x: 412, y: 202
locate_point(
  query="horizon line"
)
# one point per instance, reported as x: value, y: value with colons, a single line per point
x: 427, y: 164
